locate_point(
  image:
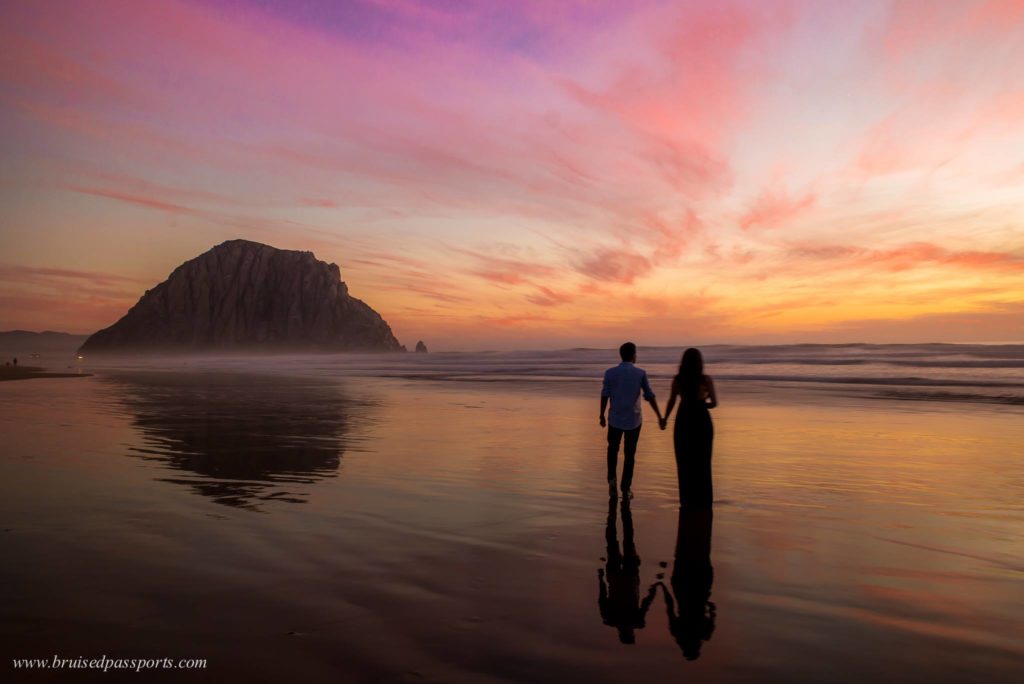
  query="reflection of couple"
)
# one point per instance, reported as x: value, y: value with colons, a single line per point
x: 693, y: 435
x: 691, y: 614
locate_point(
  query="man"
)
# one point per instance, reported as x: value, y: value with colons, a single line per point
x: 622, y: 386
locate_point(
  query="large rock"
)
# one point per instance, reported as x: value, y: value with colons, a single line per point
x: 246, y: 295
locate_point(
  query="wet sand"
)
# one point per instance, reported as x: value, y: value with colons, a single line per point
x: 292, y: 528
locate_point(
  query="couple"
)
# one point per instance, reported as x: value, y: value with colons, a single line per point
x: 623, y: 386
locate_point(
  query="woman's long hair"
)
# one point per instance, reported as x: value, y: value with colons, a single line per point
x: 691, y: 373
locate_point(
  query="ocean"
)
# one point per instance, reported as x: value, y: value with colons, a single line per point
x: 926, y: 372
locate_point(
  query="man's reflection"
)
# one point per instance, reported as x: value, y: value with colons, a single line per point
x: 691, y: 614
x: 619, y: 582
x: 241, y: 439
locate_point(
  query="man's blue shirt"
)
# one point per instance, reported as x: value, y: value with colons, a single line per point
x: 623, y: 385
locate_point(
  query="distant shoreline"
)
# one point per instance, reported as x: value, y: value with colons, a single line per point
x: 31, y: 372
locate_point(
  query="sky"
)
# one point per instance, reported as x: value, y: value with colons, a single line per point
x: 532, y: 173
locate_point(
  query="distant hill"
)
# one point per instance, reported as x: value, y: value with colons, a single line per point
x: 25, y: 342
x: 243, y: 295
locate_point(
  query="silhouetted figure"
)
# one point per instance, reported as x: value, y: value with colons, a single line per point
x: 15, y: 360
x: 618, y: 596
x: 623, y: 385
x: 691, y: 614
x: 694, y: 432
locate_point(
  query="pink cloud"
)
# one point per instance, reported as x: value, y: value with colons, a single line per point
x: 774, y: 207
x: 944, y: 88
x: 35, y: 274
x: 614, y: 265
x: 916, y: 25
x: 547, y: 297
x: 75, y: 313
x: 321, y: 202
x: 505, y: 270
x: 82, y: 300
x: 29, y: 65
x: 140, y: 200
x: 910, y: 256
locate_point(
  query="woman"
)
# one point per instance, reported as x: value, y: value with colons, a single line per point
x: 694, y: 432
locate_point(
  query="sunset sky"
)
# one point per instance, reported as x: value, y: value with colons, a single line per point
x: 529, y: 173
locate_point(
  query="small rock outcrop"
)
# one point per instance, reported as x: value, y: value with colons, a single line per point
x: 421, y: 348
x: 245, y: 295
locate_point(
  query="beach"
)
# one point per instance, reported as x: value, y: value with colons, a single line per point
x: 444, y: 517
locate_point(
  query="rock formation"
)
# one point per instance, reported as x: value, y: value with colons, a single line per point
x: 244, y: 295
x: 421, y: 348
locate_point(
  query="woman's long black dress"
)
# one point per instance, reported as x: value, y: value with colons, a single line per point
x: 693, y: 436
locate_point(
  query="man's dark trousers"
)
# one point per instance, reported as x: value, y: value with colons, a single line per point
x: 614, y: 439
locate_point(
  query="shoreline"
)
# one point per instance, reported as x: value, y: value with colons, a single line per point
x: 10, y: 373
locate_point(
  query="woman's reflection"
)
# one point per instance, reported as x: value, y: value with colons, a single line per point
x: 618, y: 596
x: 691, y: 614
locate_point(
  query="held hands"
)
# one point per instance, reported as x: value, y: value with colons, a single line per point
x: 662, y: 422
